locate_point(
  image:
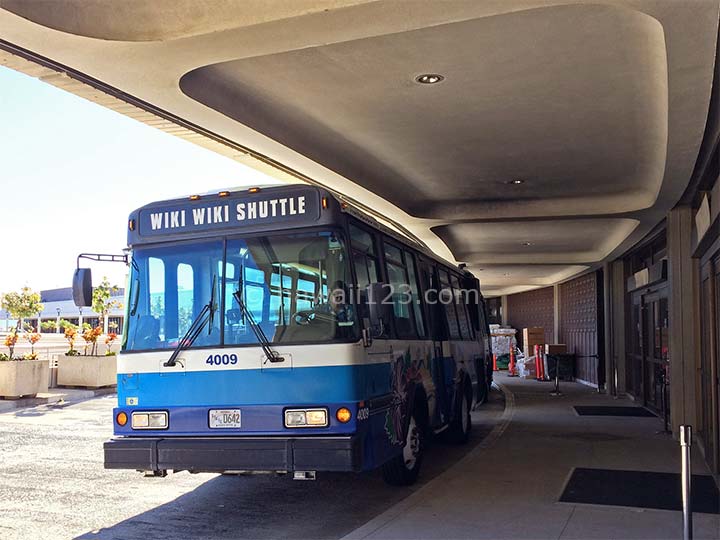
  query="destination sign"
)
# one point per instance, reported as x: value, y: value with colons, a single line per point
x: 295, y: 207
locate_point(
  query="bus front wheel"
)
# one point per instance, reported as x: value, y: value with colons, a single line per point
x: 403, y: 469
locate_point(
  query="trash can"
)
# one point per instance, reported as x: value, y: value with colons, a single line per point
x: 564, y: 363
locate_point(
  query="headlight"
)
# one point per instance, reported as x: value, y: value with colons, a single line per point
x: 150, y: 420
x: 306, y: 418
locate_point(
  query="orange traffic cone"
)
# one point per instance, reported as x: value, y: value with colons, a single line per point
x: 512, y: 371
x: 495, y: 362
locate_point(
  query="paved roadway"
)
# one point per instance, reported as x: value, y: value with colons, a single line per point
x: 53, y: 486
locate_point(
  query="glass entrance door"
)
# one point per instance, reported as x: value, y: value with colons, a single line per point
x: 655, y: 354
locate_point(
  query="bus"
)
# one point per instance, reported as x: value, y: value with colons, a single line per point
x: 280, y: 329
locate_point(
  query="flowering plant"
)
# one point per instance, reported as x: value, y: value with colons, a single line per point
x: 32, y: 337
x: 109, y: 340
x: 10, y: 341
x: 91, y: 335
x: 70, y: 331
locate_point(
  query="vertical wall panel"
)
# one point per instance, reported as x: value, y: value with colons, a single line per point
x: 579, y: 323
x: 532, y: 308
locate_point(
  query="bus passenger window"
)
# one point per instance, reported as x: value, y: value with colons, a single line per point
x: 416, y: 304
x: 401, y: 292
x: 461, y: 308
x: 156, y: 288
x: 447, y: 299
x: 185, y: 297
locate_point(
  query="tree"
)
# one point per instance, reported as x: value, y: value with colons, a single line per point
x: 70, y: 331
x: 32, y: 338
x: 21, y: 305
x: 101, y: 298
x: 49, y: 325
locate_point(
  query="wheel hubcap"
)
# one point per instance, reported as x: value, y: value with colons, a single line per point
x: 412, y: 444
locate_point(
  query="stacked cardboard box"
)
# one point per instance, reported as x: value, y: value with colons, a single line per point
x: 531, y: 337
x: 556, y: 348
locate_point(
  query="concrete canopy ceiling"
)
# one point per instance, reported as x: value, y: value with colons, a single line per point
x: 598, y: 107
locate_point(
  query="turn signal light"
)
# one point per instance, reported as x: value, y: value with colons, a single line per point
x: 343, y: 415
x: 121, y: 419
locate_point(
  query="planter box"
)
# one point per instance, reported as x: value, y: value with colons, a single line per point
x: 23, y: 378
x: 87, y: 371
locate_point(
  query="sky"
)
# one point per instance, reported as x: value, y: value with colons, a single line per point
x: 70, y: 173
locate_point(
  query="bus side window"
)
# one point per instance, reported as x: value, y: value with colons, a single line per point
x: 401, y: 292
x: 446, y: 298
x: 363, y: 252
x: 416, y: 297
x: 461, y: 308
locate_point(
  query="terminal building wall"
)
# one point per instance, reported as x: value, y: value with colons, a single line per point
x: 578, y: 324
x: 532, y: 309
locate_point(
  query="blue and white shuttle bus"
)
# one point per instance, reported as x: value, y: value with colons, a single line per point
x: 278, y: 329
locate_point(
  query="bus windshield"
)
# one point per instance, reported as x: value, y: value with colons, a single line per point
x: 294, y: 287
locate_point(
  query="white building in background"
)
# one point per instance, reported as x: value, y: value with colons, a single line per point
x: 58, y: 304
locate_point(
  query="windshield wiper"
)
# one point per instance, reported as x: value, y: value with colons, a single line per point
x: 271, y: 355
x: 205, y: 317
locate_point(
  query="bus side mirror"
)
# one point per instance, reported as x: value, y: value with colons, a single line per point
x: 380, y: 306
x: 82, y: 287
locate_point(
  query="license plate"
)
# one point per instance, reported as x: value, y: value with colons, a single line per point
x: 225, y: 418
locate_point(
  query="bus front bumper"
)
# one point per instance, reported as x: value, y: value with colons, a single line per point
x: 235, y: 454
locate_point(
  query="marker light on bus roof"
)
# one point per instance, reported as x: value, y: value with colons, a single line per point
x: 131, y: 224
x: 194, y: 197
x: 254, y: 190
x: 223, y: 194
x: 324, y: 203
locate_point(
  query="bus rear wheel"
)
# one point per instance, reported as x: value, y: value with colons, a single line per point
x: 459, y: 430
x: 403, y: 470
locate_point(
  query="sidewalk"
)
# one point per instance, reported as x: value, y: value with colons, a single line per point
x: 509, y: 486
x: 54, y: 395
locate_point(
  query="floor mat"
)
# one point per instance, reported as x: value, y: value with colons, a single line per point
x: 639, y: 489
x: 594, y: 410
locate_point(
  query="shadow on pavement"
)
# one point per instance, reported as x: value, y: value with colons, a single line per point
x: 267, y: 506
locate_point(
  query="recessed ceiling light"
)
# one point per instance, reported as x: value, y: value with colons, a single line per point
x: 527, y: 244
x: 516, y: 181
x: 429, y: 78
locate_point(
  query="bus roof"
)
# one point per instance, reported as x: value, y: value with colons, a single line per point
x: 250, y: 210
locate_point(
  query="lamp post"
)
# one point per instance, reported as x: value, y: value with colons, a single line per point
x: 57, y: 321
x: 80, y: 320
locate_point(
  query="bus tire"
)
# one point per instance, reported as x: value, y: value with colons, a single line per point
x: 461, y: 425
x: 403, y: 470
x: 483, y: 389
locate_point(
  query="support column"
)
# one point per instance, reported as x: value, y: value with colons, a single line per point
x: 682, y: 273
x: 617, y: 328
x: 610, y: 364
x: 504, y: 309
x: 556, y: 313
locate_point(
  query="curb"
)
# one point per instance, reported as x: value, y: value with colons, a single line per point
x: 68, y: 396
x: 416, y: 498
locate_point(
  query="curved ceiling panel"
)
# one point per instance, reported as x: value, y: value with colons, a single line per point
x: 160, y: 20
x: 571, y: 99
x: 535, y: 242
